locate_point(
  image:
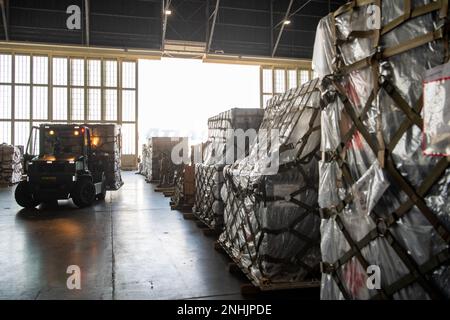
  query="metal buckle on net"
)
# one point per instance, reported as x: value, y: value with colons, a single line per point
x: 325, y: 213
x: 326, y: 267
x: 382, y: 227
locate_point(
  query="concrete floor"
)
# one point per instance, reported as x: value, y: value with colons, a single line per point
x: 131, y: 246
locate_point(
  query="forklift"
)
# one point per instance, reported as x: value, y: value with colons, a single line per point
x: 65, y: 161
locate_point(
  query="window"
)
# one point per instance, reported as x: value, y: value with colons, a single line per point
x: 77, y: 72
x: 110, y: 72
x: 5, y: 68
x: 304, y: 76
x: 21, y: 133
x: 266, y: 99
x: 267, y: 81
x: 129, y: 105
x: 40, y: 103
x: 60, y: 104
x: 77, y: 98
x: 5, y: 132
x: 22, y: 102
x: 22, y: 69
x: 40, y: 70
x: 81, y: 90
x: 129, y: 75
x: 94, y: 73
x: 278, y: 80
x: 94, y: 105
x: 60, y: 71
x: 292, y: 79
x: 5, y: 102
x: 128, y: 138
x: 110, y: 105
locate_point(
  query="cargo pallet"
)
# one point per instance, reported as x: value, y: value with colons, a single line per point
x: 185, y: 208
x: 265, y: 285
x: 206, y: 227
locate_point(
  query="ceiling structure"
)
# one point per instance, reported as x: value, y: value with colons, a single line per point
x: 268, y: 28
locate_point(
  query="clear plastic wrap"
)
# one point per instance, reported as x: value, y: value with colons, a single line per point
x: 271, y: 222
x: 221, y: 148
x: 157, y: 158
x: 108, y: 152
x: 10, y: 164
x: 436, y: 111
x: 184, y: 191
x: 383, y: 202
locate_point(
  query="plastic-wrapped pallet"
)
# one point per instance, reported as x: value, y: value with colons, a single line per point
x: 184, y: 190
x: 10, y: 164
x: 107, y: 148
x: 161, y: 168
x: 271, y: 221
x: 385, y: 205
x: 209, y: 175
x: 145, y: 168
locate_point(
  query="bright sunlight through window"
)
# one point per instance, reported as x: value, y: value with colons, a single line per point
x: 177, y: 96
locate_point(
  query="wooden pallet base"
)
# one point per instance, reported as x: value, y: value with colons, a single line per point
x: 164, y: 189
x: 188, y: 216
x: 182, y: 208
x: 212, y: 231
x: 257, y: 287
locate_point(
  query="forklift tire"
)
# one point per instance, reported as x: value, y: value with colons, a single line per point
x: 84, y: 193
x: 101, y: 196
x: 24, y: 197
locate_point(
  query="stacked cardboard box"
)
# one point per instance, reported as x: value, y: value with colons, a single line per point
x: 221, y: 148
x: 10, y: 164
x: 385, y: 205
x: 271, y: 220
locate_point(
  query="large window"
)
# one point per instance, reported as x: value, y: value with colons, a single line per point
x: 276, y: 81
x: 37, y: 89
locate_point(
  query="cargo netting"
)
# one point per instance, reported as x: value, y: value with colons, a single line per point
x: 157, y: 159
x: 271, y: 220
x: 385, y: 205
x: 221, y: 147
x: 107, y: 153
x: 184, y: 191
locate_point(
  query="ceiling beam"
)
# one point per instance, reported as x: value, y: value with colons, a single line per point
x: 165, y: 7
x: 286, y: 17
x: 86, y: 13
x: 5, y: 24
x: 214, y: 17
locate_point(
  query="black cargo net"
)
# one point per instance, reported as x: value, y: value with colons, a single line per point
x: 405, y: 197
x: 178, y: 193
x: 183, y: 179
x: 208, y: 202
x: 274, y: 235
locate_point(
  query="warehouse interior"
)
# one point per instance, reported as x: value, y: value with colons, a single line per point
x: 224, y: 150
